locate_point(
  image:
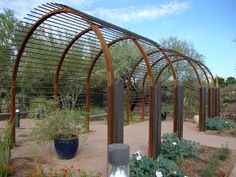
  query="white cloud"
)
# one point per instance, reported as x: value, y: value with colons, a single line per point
x: 134, y: 14
x: 22, y: 7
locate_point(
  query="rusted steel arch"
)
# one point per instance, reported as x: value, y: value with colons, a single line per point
x: 106, y: 54
x: 201, y: 65
x: 182, y: 59
x: 17, y: 62
x: 129, y: 84
x: 165, y: 56
x: 166, y: 66
x: 175, y: 83
x: 56, y: 78
x: 90, y: 72
x: 145, y: 57
x: 156, y: 62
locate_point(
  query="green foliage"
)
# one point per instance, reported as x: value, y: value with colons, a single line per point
x: 224, y: 153
x: 96, y: 110
x: 5, y: 151
x: 211, y: 167
x: 40, y: 107
x: 142, y: 166
x: 214, y: 161
x: 226, y: 82
x: 166, y: 108
x: 176, y: 148
x: 218, y: 123
x: 62, y: 123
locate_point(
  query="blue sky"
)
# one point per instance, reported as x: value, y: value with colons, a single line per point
x: 210, y: 25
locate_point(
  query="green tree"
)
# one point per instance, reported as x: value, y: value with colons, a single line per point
x: 230, y: 81
x: 8, y: 23
x: 221, y: 81
x: 185, y: 74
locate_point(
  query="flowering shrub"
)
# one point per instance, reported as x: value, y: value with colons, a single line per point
x: 176, y: 148
x: 66, y: 172
x: 142, y: 166
x: 218, y: 123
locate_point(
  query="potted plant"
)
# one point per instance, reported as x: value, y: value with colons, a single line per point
x: 63, y: 127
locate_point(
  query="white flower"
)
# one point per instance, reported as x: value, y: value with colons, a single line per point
x: 227, y: 122
x: 185, y: 176
x: 174, y: 172
x: 139, y: 157
x: 159, y: 174
x: 138, y: 152
x: 174, y: 143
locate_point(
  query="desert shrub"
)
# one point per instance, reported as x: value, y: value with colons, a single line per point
x: 210, y: 169
x: 5, y: 151
x: 40, y: 107
x: 63, y: 123
x: 223, y: 154
x: 217, y: 123
x: 96, y: 110
x: 142, y: 166
x: 176, y: 148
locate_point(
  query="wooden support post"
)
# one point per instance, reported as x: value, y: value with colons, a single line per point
x: 202, y: 109
x: 118, y: 130
x: 179, y: 110
x: 157, y: 121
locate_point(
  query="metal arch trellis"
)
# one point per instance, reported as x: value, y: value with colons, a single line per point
x: 71, y: 27
x: 54, y: 9
x: 172, y: 54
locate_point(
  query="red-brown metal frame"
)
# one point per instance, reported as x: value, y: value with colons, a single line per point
x: 94, y: 26
x: 108, y: 64
x: 143, y: 53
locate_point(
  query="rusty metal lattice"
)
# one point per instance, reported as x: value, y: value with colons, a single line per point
x: 79, y: 41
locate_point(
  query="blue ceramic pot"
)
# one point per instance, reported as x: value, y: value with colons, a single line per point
x: 66, y: 148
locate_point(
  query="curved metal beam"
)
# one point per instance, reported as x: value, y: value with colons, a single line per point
x: 129, y: 84
x: 56, y: 77
x: 90, y: 72
x: 196, y: 61
x: 182, y: 58
x: 104, y: 48
x: 18, y: 58
x: 151, y: 87
x: 110, y: 81
x: 149, y: 72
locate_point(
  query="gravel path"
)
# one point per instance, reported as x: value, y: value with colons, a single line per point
x: 93, y: 149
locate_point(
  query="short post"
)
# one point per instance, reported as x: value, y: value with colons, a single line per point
x: 17, y: 118
x: 202, y: 109
x: 180, y: 110
x: 118, y: 134
x: 157, y: 121
x: 118, y: 160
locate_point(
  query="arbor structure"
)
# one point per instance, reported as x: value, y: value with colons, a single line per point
x: 63, y: 49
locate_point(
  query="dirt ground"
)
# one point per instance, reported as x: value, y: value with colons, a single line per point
x: 92, y: 153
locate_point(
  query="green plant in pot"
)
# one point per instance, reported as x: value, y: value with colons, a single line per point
x: 64, y: 128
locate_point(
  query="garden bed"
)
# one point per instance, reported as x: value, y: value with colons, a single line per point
x: 194, y: 166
